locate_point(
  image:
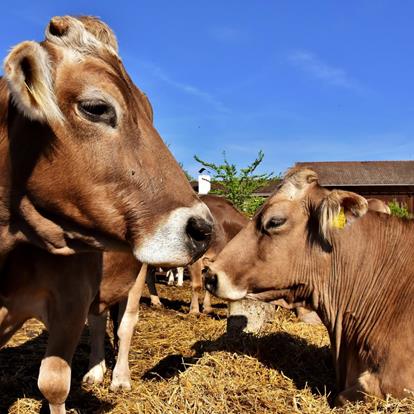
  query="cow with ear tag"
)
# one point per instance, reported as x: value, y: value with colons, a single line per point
x: 354, y: 267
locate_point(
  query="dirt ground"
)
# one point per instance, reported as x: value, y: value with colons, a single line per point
x: 182, y: 363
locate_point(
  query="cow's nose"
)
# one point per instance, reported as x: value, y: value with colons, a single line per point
x: 210, y: 280
x: 199, y: 231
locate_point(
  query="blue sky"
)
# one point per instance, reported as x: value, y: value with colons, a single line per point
x: 301, y: 80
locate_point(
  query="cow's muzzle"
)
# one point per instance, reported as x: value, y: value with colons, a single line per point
x: 218, y: 283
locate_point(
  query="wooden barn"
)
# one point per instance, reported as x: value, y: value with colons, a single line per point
x: 386, y: 180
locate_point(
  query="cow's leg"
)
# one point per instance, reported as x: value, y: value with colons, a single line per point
x: 65, y: 326
x: 170, y: 277
x: 367, y: 384
x: 121, y: 377
x: 207, y: 308
x: 351, y: 394
x: 97, y: 366
x: 9, y: 324
x: 180, y: 276
x: 150, y: 279
x: 196, y: 285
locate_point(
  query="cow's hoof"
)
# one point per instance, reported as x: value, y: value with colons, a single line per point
x: 194, y: 311
x: 208, y: 310
x: 155, y: 301
x: 157, y: 305
x: 57, y: 408
x: 120, y: 384
x: 95, y: 375
x: 170, y: 283
x: 180, y: 284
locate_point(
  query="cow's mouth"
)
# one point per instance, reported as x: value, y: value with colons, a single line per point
x: 270, y: 295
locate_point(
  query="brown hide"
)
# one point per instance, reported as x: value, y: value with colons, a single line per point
x: 82, y: 164
x: 35, y: 283
x: 357, y: 274
x: 228, y: 221
x: 306, y: 314
x: 120, y: 270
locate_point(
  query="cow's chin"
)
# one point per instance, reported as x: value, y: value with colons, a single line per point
x: 269, y: 295
x: 169, y: 245
x: 163, y: 260
x: 265, y: 296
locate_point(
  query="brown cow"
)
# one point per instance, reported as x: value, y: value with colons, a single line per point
x: 82, y: 169
x: 82, y: 165
x: 353, y: 266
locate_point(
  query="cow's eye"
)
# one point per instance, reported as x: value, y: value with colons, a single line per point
x: 274, y: 223
x: 98, y: 111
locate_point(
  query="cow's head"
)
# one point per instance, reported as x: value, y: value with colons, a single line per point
x: 86, y: 165
x: 290, y: 240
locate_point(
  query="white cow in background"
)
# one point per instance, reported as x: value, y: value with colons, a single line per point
x: 151, y: 279
x: 178, y: 273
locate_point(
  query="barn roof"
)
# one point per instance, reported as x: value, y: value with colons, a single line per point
x: 362, y: 173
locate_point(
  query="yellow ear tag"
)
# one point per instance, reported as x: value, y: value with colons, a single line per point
x: 340, y: 220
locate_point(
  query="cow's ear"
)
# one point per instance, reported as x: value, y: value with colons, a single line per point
x: 339, y: 209
x: 28, y: 75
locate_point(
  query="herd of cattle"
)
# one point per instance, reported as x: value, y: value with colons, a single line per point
x: 84, y: 171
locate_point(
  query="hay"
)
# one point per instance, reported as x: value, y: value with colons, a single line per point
x: 186, y: 364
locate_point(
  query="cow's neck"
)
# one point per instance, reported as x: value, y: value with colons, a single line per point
x: 20, y: 220
x: 370, y: 269
x: 8, y: 235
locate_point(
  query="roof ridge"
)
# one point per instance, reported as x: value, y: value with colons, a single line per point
x: 355, y: 162
x: 343, y: 173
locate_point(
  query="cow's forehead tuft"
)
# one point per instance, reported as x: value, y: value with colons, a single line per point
x: 100, y: 30
x: 300, y: 176
x: 296, y: 181
x: 84, y: 34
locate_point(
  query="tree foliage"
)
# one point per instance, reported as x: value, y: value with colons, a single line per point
x: 399, y: 209
x: 238, y: 185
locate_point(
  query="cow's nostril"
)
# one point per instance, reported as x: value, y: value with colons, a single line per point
x: 199, y: 232
x: 199, y: 229
x: 210, y: 281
